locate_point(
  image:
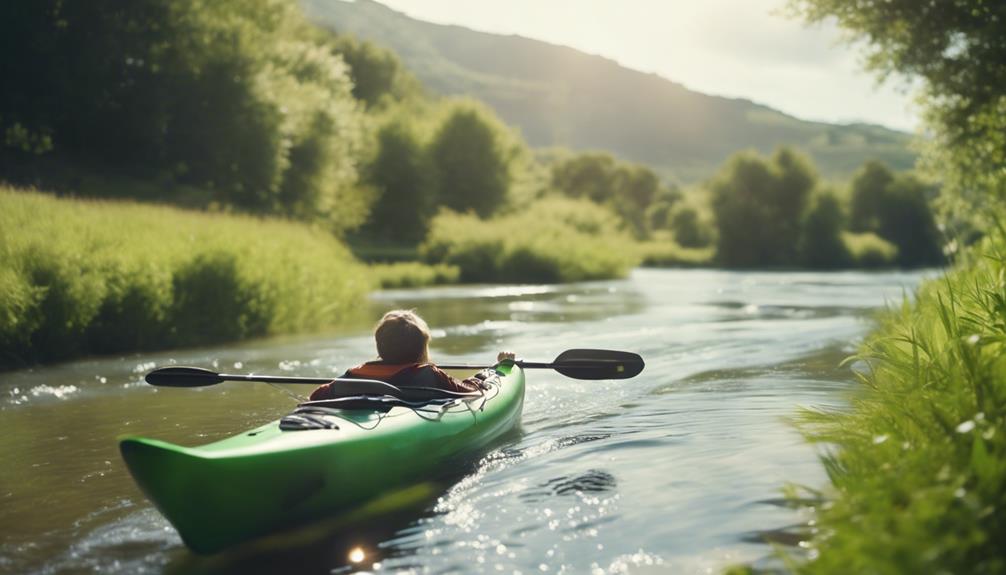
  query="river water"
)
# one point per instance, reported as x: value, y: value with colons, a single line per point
x: 681, y: 469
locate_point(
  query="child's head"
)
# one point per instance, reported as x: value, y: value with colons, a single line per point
x: 402, y: 337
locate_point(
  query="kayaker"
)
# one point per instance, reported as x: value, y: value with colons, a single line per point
x: 403, y: 346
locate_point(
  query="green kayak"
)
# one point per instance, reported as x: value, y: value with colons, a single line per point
x: 318, y: 462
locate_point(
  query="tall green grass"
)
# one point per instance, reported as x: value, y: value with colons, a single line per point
x: 551, y: 240
x: 80, y: 277
x: 918, y: 464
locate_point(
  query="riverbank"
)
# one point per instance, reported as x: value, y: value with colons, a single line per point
x: 84, y: 277
x: 918, y: 465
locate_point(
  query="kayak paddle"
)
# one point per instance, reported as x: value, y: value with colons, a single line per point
x: 574, y: 363
x: 583, y: 364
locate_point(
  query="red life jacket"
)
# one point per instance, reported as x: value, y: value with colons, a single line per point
x: 402, y: 375
x: 399, y: 374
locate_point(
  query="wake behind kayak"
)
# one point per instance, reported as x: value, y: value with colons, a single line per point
x: 316, y: 463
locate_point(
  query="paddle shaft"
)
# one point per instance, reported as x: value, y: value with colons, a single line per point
x: 575, y: 363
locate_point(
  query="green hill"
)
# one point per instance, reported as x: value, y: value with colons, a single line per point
x: 558, y: 96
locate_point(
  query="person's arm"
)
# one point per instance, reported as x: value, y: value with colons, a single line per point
x: 445, y: 381
x: 466, y: 385
x: 324, y: 390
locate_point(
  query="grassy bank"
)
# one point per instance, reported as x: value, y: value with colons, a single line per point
x: 80, y: 277
x: 918, y: 465
x: 552, y: 240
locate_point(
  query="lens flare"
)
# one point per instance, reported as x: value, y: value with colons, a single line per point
x: 356, y: 555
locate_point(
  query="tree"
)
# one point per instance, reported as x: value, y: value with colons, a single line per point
x: 377, y: 73
x: 236, y: 97
x: 690, y: 231
x: 868, y: 188
x: 821, y: 244
x: 906, y: 220
x: 473, y: 156
x: 401, y: 176
x: 958, y: 50
x: 896, y: 208
x: 629, y: 189
x: 758, y: 205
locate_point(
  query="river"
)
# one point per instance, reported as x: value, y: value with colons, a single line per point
x: 680, y: 469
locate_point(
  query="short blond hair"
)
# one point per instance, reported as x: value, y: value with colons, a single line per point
x: 402, y: 337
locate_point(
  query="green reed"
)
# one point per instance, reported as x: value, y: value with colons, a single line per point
x: 918, y: 464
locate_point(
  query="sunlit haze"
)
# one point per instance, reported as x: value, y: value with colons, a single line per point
x: 735, y: 48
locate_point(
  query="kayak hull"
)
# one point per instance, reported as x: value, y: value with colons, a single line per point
x: 266, y: 479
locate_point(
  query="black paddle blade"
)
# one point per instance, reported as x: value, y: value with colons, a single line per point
x: 598, y: 364
x: 183, y: 377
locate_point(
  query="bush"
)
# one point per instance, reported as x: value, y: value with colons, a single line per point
x: 99, y: 277
x: 666, y: 253
x: 869, y: 250
x: 918, y: 464
x: 896, y: 207
x: 821, y: 243
x: 690, y: 231
x: 759, y: 204
x: 473, y: 156
x: 633, y: 191
x: 413, y: 274
x: 552, y: 240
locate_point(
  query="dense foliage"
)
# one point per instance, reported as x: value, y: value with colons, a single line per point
x: 473, y: 158
x: 107, y: 277
x: 552, y: 240
x: 919, y: 476
x: 401, y: 174
x: 241, y: 99
x: 759, y: 205
x: 896, y: 208
x: 918, y: 465
x: 958, y: 51
x: 632, y: 191
x: 775, y: 212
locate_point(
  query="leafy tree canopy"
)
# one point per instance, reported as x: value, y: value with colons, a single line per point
x: 474, y: 157
x: 630, y: 189
x: 958, y: 49
x: 758, y: 204
x: 239, y: 97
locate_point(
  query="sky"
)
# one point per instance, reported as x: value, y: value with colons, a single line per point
x: 735, y: 48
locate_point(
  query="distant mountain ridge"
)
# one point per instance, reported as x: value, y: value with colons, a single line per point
x: 558, y: 96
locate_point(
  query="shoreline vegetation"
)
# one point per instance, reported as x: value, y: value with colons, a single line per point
x: 83, y: 277
x: 918, y: 465
x: 92, y: 276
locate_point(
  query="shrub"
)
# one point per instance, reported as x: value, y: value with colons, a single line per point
x: 821, y: 243
x: 690, y: 231
x: 896, y: 207
x: 918, y: 462
x: 868, y: 250
x: 553, y: 240
x: 82, y: 277
x: 758, y: 204
x: 413, y: 274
